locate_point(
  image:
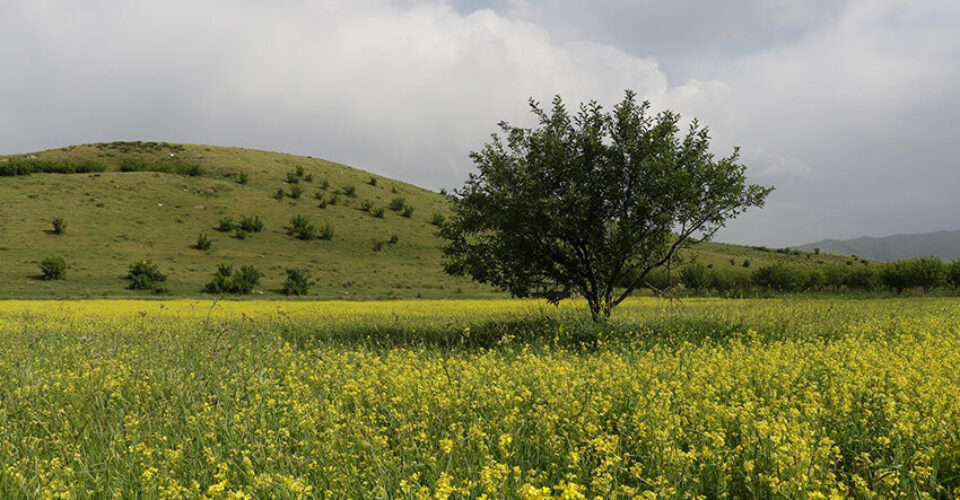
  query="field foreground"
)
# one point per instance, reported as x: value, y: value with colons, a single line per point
x: 467, y: 399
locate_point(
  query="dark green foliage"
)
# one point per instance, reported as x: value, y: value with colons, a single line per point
x: 393, y: 239
x: 296, y: 192
x: 437, y: 219
x: 59, y: 225
x: 694, y: 277
x: 350, y: 190
x: 926, y: 273
x: 372, y: 181
x: 252, y: 224
x: 398, y: 203
x: 299, y: 172
x: 746, y: 262
x: 227, y: 281
x: 27, y: 166
x: 145, y: 275
x: 226, y: 225
x: 241, y: 234
x: 590, y: 203
x: 297, y: 282
x: 781, y: 278
x: 324, y: 184
x: 243, y: 178
x: 292, y: 178
x: 334, y: 198
x: 279, y: 194
x: 366, y: 205
x: 53, y: 268
x: 203, y: 242
x: 407, y: 211
x: 301, y: 228
x: 953, y: 274
x: 308, y: 178
x: 325, y: 232
x: 377, y: 212
x: 378, y: 245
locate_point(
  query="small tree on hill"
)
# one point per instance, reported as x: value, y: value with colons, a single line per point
x: 590, y: 203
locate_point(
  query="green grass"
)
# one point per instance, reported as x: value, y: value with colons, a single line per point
x: 116, y: 218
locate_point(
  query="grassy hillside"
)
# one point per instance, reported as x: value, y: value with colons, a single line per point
x: 115, y: 218
x: 942, y: 244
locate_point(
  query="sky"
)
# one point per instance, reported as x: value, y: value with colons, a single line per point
x: 850, y: 108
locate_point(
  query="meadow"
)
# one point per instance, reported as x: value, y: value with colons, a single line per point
x: 712, y: 398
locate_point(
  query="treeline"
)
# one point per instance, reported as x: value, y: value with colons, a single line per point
x: 27, y: 166
x: 922, y: 274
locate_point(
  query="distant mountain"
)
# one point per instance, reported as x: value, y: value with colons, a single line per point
x: 943, y: 244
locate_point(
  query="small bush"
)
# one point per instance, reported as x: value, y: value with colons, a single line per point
x: 53, y: 268
x: 325, y: 232
x: 226, y: 225
x: 334, y: 198
x: 59, y: 225
x: 241, y: 234
x: 301, y: 228
x: 746, y: 262
x: 953, y: 273
x: 366, y: 205
x: 145, y: 275
x: 226, y: 281
x: 393, y: 239
x: 377, y: 212
x: 244, y: 178
x: 378, y: 245
x: 350, y: 190
x: 324, y: 184
x: 299, y: 172
x: 203, y: 242
x: 292, y: 178
x: 308, y: 178
x: 438, y: 219
x: 320, y: 195
x: 297, y: 282
x: 372, y: 181
x: 397, y: 204
x: 296, y: 192
x: 407, y: 211
x: 251, y: 224
x: 188, y: 169
x: 279, y: 194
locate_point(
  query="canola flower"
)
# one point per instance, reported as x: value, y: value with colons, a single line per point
x: 719, y: 399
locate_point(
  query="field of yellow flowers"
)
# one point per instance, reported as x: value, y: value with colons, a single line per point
x: 800, y: 398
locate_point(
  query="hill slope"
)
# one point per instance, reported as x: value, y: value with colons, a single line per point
x: 942, y: 244
x: 115, y: 218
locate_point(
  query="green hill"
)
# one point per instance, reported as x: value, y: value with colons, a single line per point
x: 942, y: 244
x: 144, y: 200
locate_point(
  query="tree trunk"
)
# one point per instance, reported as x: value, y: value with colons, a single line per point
x: 600, y: 308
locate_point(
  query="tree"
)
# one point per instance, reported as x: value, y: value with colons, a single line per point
x: 590, y: 203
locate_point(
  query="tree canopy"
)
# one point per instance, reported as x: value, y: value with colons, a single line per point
x: 590, y: 203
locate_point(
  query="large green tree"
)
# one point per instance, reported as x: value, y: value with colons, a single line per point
x: 590, y: 203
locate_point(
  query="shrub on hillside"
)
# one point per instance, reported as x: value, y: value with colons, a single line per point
x: 145, y: 275
x: 279, y: 194
x: 297, y: 282
x: 350, y: 190
x: 301, y: 228
x: 366, y: 205
x: 953, y: 273
x: 203, y: 242
x: 27, y: 166
x: 296, y: 191
x: 398, y: 203
x: 407, y: 211
x: 243, y: 178
x: 59, y: 225
x: 226, y: 225
x: 437, y: 219
x: 53, y: 268
x: 926, y: 273
x: 227, y: 281
x: 377, y: 212
x: 325, y: 232
x: 292, y: 178
x: 324, y: 184
x: 372, y: 181
x: 694, y: 277
x: 251, y: 224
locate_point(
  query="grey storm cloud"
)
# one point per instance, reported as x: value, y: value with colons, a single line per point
x: 847, y: 107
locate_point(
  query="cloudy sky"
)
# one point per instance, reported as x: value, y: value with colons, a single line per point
x: 851, y: 108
